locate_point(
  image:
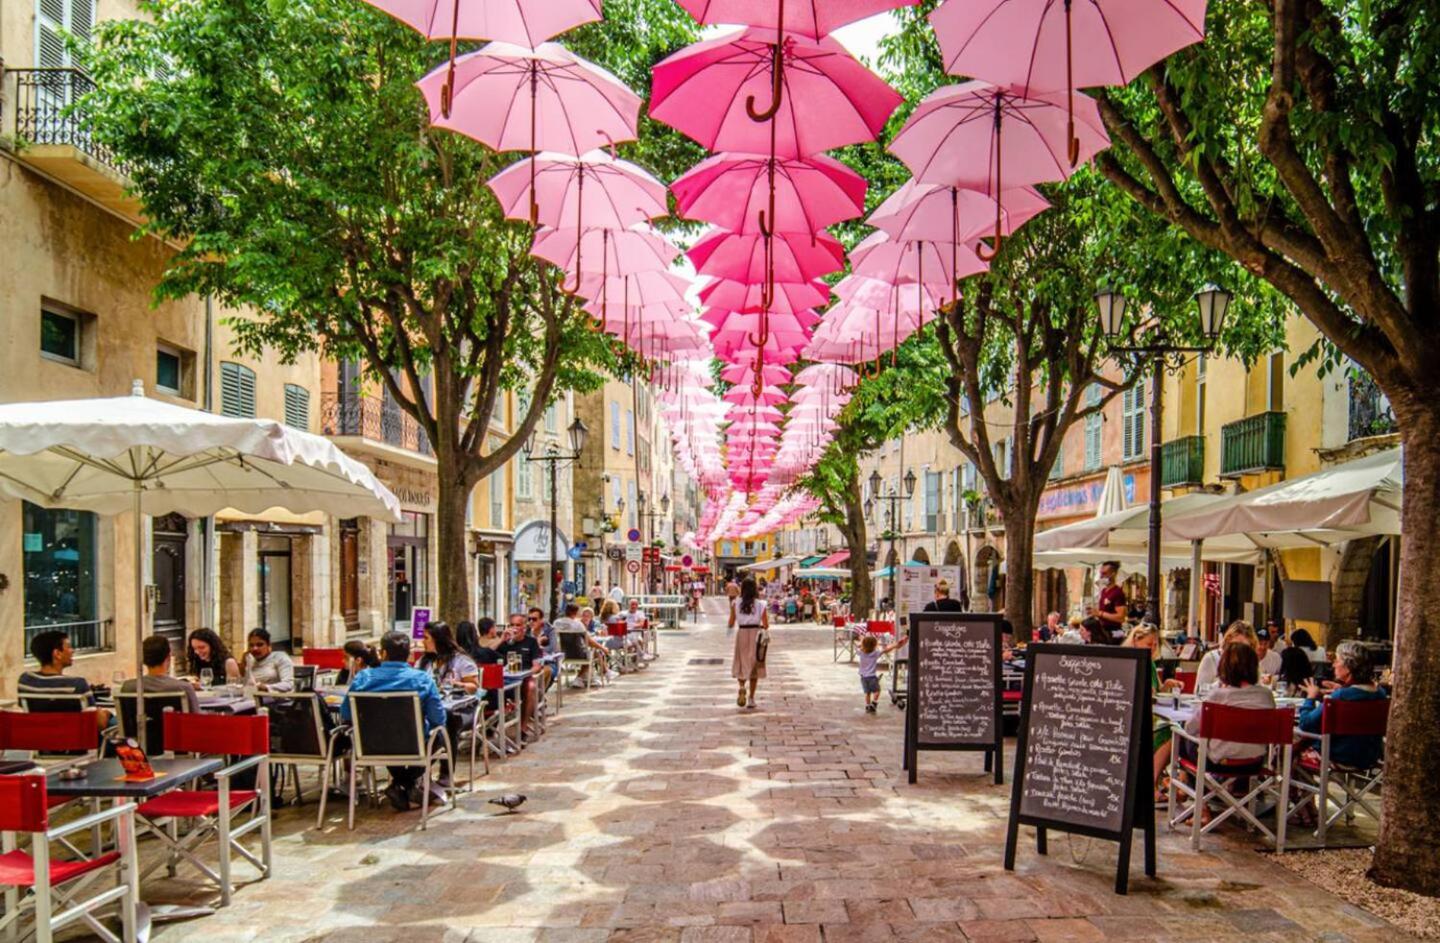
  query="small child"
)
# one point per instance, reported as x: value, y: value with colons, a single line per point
x: 870, y: 671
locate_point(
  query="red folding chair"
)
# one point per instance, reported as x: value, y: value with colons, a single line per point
x: 1272, y: 729
x: 69, y: 738
x: 36, y: 882
x: 1319, y: 771
x: 1187, y: 681
x: 502, y: 718
x: 325, y: 659
x: 880, y: 627
x: 245, y: 737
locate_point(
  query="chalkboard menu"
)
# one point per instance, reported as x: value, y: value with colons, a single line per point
x: 954, y: 695
x: 1084, y: 749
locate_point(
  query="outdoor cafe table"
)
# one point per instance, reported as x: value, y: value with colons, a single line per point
x: 1182, y: 710
x: 103, y: 779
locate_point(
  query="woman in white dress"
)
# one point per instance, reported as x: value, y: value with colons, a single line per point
x: 749, y: 618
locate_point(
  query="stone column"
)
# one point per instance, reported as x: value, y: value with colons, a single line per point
x: 239, y: 588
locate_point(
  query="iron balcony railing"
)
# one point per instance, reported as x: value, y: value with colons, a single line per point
x: 1370, y: 412
x: 90, y: 635
x: 1253, y: 444
x: 48, y: 110
x: 1182, y: 462
x: 371, y: 418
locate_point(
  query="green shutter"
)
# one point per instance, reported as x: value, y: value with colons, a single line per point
x: 237, y: 391
x: 297, y: 407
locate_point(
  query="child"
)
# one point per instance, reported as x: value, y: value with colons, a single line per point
x: 870, y: 671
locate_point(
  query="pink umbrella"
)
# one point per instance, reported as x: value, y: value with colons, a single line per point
x: 615, y: 251
x: 735, y: 320
x: 744, y: 296
x: 551, y: 188
x: 956, y: 124
x: 733, y: 190
x: 737, y: 413
x: 931, y: 212
x: 769, y: 396
x: 522, y: 22
x: 810, y: 18
x: 1055, y: 44
x: 742, y: 374
x: 757, y: 259
x: 926, y: 263
x: 704, y: 89
x: 729, y: 346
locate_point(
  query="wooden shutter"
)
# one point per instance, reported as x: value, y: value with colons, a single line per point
x: 297, y: 406
x: 237, y: 391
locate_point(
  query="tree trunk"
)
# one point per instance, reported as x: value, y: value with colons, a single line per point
x: 450, y: 507
x: 1020, y: 567
x: 1405, y: 854
x: 861, y: 595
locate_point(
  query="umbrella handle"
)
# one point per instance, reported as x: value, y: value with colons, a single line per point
x: 765, y: 226
x: 777, y: 87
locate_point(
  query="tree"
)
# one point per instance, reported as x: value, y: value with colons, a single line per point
x: 289, y: 154
x: 1299, y: 139
x: 909, y: 395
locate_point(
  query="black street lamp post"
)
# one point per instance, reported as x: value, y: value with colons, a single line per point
x: 650, y: 517
x: 1213, y: 303
x: 555, y: 458
x: 893, y: 499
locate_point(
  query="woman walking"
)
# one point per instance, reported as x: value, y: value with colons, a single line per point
x: 751, y: 623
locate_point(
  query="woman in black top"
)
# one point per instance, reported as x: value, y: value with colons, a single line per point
x: 206, y: 650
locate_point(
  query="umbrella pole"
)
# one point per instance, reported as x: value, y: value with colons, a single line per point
x: 534, y: 154
x: 777, y: 81
x: 447, y: 91
x: 1074, y: 142
x: 999, y: 187
x: 139, y: 548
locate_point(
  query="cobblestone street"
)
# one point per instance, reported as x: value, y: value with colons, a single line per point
x: 659, y: 811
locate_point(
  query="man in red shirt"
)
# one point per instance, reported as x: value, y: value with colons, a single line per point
x: 1111, y: 607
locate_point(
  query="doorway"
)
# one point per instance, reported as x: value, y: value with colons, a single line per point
x: 407, y: 566
x: 350, y: 574
x: 168, y: 535
x: 275, y: 588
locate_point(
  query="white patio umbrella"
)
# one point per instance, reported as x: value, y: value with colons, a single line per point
x: 1112, y: 496
x: 138, y: 454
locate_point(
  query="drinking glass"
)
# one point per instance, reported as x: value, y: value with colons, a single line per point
x: 117, y: 678
x: 207, y: 678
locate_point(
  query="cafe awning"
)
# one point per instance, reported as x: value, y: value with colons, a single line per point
x: 811, y: 561
x: 835, y: 559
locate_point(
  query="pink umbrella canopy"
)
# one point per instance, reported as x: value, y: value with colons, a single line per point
x: 592, y: 191
x: 778, y: 348
x: 636, y: 289
x: 612, y: 251
x: 702, y: 91
x: 742, y: 374
x: 522, y: 22
x: 751, y: 321
x: 731, y: 191
x: 810, y: 18
x: 746, y: 296
x: 878, y: 256
x: 936, y: 213
x: 511, y: 98
x: 754, y: 259
x: 768, y: 396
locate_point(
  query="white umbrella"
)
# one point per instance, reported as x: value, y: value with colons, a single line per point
x: 141, y: 455
x: 1112, y: 496
x: 1127, y: 528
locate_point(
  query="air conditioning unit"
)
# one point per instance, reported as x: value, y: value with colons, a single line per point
x: 590, y: 527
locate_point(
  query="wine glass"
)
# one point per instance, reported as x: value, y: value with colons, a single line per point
x: 207, y: 678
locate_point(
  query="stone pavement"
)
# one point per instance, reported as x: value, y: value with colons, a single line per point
x: 658, y: 811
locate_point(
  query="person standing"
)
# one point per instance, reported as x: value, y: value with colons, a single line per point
x: 749, y: 618
x: 1111, y: 606
x: 942, y: 601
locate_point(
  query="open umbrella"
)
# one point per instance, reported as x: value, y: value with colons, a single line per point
x: 745, y: 296
x: 522, y: 22
x: 759, y: 259
x: 732, y: 190
x: 985, y: 137
x: 810, y: 18
x: 608, y: 251
x: 1063, y: 44
x: 933, y: 212
x: 132, y: 453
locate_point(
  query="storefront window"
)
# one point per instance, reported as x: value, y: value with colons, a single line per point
x: 60, y: 580
x: 407, y: 550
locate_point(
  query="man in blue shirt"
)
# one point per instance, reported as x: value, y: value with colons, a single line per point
x: 395, y: 674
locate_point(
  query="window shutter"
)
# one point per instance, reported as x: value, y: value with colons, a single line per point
x: 51, y: 51
x: 82, y: 19
x: 297, y: 406
x: 237, y: 391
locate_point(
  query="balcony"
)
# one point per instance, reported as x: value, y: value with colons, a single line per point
x: 1254, y: 444
x: 52, y: 136
x: 1370, y: 413
x: 1182, y: 462
x: 371, y: 421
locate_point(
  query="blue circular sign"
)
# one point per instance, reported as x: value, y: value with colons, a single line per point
x: 574, y: 552
x: 634, y: 535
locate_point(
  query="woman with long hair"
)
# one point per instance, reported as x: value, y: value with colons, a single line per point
x: 206, y: 650
x: 751, y: 622
x: 444, y: 659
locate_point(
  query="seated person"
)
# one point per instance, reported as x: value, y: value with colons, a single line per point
x: 610, y: 616
x: 1239, y: 676
x: 1354, y: 681
x: 1145, y: 635
x: 1051, y: 630
x: 543, y: 632
x: 52, y: 649
x: 155, y: 653
x: 358, y: 657
x: 267, y: 668
x: 575, y: 622
x: 446, y: 662
x: 1296, y: 669
x: 1208, y: 672
x: 1269, y: 655
x: 395, y: 674
x: 528, y: 648
x: 206, y: 650
x: 1073, y: 634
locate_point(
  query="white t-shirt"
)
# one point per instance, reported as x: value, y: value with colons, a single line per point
x: 1270, y: 664
x: 1209, y: 671
x: 751, y: 619
x: 633, y: 619
x: 617, y: 594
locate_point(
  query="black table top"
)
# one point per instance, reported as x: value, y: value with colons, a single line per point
x: 11, y: 767
x: 102, y: 778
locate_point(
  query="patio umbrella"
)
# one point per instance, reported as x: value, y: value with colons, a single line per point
x: 1063, y: 44
x: 810, y: 18
x: 522, y: 22
x: 132, y: 453
x: 1112, y: 496
x: 511, y: 98
x: 733, y: 190
x: 708, y: 91
x: 986, y: 137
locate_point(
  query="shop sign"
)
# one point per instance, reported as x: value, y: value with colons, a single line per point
x: 419, y: 618
x: 1079, y: 498
x: 532, y: 544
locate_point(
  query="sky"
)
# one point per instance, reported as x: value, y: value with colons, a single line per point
x: 861, y: 38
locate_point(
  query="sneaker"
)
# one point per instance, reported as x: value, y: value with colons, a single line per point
x: 398, y: 796
x: 612, y: 674
x: 577, y: 683
x: 752, y: 705
x: 869, y: 708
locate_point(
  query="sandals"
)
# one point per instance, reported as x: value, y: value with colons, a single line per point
x: 740, y: 698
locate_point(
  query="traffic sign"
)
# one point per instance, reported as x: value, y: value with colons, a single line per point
x: 634, y: 554
x: 634, y: 535
x: 687, y: 560
x: 633, y: 566
x: 575, y: 551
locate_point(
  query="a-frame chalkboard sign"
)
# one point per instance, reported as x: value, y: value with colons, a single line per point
x: 954, y: 696
x: 1084, y: 752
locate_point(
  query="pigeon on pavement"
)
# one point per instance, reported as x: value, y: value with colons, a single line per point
x: 511, y: 801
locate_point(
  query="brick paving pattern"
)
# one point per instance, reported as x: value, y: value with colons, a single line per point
x: 659, y: 811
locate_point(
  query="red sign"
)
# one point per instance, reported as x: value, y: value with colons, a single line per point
x: 633, y: 566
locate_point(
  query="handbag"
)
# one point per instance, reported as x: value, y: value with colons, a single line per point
x: 762, y: 644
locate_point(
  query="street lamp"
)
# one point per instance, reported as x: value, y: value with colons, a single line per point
x: 893, y: 515
x: 1213, y: 303
x: 553, y: 457
x: 650, y: 517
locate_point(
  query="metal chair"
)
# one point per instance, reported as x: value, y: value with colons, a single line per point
x: 1272, y: 729
x: 46, y: 882
x: 152, y: 741
x: 501, y: 719
x: 1319, y: 771
x: 54, y: 702
x: 842, y: 638
x: 214, y: 810
x: 579, y: 655
x: 301, y: 735
x: 388, y: 729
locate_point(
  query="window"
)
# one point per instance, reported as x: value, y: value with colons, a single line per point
x: 725, y: 548
x: 552, y: 419
x: 61, y: 588
x: 1057, y: 470
x: 632, y: 504
x: 629, y: 432
x: 169, y: 371
x: 55, y: 18
x: 1004, y: 457
x: 1275, y: 384
x: 1092, y: 428
x: 957, y: 503
x: 932, y: 501
x: 615, y: 493
x: 1132, y: 420
x: 297, y: 407
x: 524, y: 478
x: 497, y: 499
x: 614, y: 424
x: 60, y: 335
x: 237, y: 391
x: 1200, y: 395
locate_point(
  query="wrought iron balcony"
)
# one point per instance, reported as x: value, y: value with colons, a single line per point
x: 1182, y: 462
x: 373, y: 418
x: 48, y: 111
x: 1253, y: 444
x: 1370, y: 412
